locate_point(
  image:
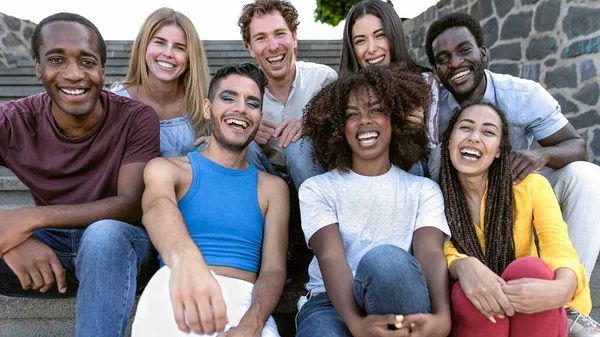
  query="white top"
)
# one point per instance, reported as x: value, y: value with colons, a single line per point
x: 370, y: 211
x: 310, y: 78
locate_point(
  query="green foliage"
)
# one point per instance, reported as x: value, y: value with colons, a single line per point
x: 332, y: 12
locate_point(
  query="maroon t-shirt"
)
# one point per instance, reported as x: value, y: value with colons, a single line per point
x: 65, y: 171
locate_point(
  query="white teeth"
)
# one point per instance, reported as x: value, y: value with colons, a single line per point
x: 473, y: 152
x: 241, y: 123
x: 165, y: 65
x: 377, y: 60
x: 275, y: 58
x: 73, y: 91
x: 367, y: 135
x: 460, y: 74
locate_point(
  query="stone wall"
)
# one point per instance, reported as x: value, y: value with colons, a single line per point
x: 15, y: 40
x: 554, y: 42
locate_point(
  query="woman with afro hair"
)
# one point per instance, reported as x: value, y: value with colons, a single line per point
x: 377, y: 232
x: 503, y: 289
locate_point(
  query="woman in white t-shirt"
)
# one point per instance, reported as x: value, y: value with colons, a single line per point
x: 365, y: 217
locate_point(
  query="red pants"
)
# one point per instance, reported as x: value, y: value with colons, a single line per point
x: 467, y: 321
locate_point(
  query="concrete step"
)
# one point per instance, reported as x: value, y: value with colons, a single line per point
x: 13, y: 193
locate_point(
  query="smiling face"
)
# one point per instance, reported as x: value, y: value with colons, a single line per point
x: 70, y: 68
x: 371, y: 45
x: 475, y: 140
x: 459, y: 63
x: 272, y: 45
x: 166, y: 54
x: 234, y: 112
x: 368, y: 129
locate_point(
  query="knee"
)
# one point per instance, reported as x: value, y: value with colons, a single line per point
x: 529, y: 267
x: 385, y: 261
x: 580, y: 174
x: 104, y: 237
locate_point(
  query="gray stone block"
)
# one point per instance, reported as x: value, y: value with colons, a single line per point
x: 586, y: 120
x: 587, y: 70
x: 540, y: 48
x: 482, y: 9
x: 528, y: 2
x: 490, y: 32
x: 588, y: 94
x: 566, y: 106
x: 589, y: 46
x: 564, y: 77
x: 511, y: 51
x: 503, y: 7
x: 550, y: 62
x: 546, y: 15
x: 517, y: 26
x: 12, y: 23
x: 505, y: 68
x: 11, y: 40
x: 27, y: 33
x: 581, y: 21
x: 595, y: 147
x: 531, y: 71
x: 460, y: 3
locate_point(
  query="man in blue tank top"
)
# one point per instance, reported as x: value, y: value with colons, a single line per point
x: 219, y: 224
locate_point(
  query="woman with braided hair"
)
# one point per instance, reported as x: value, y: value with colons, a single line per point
x: 503, y: 288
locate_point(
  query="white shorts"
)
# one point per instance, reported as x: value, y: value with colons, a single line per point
x: 155, y: 317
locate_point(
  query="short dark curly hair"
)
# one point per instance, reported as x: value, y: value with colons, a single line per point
x: 262, y: 7
x: 36, y: 37
x: 399, y: 90
x: 457, y: 19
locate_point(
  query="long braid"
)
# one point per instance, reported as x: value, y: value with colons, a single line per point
x: 498, y: 218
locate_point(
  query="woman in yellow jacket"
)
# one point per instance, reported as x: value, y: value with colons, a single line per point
x: 502, y: 287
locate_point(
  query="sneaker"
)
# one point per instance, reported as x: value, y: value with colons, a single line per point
x: 581, y: 326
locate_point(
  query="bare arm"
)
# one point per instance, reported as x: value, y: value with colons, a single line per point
x: 19, y: 224
x: 271, y: 278
x: 428, y: 245
x: 195, y: 293
x: 559, y: 149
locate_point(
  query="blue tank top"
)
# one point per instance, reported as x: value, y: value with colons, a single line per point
x: 222, y: 214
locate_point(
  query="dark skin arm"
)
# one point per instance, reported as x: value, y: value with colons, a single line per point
x: 559, y: 149
x: 329, y: 249
x: 18, y: 224
x: 34, y: 263
x: 428, y: 249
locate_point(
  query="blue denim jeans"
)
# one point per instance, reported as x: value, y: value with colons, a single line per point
x: 105, y: 265
x: 388, y: 280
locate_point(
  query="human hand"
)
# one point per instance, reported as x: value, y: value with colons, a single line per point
x: 427, y: 325
x: 483, y: 288
x: 36, y: 266
x: 288, y: 131
x: 201, y: 140
x: 524, y: 162
x: 377, y: 326
x: 15, y: 227
x: 528, y: 296
x: 416, y: 116
x: 265, y: 132
x: 197, y: 299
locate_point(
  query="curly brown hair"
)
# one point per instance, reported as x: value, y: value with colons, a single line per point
x: 398, y: 89
x: 262, y: 7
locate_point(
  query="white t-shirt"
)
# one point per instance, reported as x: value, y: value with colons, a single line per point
x: 370, y: 211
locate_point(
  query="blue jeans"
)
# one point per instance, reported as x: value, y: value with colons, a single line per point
x: 105, y: 265
x: 298, y: 161
x: 388, y: 280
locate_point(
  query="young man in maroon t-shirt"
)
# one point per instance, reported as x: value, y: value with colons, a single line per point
x: 81, y: 151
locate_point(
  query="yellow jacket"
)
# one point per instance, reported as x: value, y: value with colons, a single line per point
x: 536, y: 204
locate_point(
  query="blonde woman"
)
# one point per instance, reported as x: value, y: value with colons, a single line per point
x: 168, y: 71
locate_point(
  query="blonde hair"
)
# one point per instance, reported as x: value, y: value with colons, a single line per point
x: 194, y: 80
